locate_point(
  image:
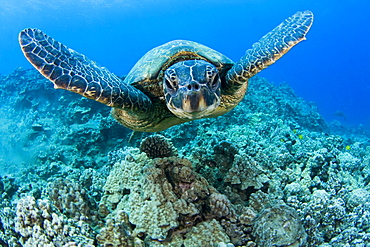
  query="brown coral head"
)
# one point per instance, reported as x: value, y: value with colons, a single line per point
x: 157, y: 146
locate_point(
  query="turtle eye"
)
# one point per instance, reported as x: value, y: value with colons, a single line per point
x: 209, y: 74
x: 171, y: 80
x: 215, y: 82
x: 212, y: 78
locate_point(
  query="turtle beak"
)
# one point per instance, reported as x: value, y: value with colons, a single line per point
x: 194, y: 102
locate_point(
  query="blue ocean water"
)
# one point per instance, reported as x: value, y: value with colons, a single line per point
x: 331, y: 68
x: 271, y: 172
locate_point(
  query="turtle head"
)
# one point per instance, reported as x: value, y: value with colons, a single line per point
x: 192, y: 89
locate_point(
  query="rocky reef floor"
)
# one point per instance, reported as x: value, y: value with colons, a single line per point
x: 271, y: 172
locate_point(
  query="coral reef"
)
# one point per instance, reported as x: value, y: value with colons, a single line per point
x: 246, y: 173
x: 39, y: 225
x: 162, y: 197
x: 271, y: 172
x: 116, y: 232
x: 41, y: 125
x: 71, y: 200
x: 157, y: 146
x: 278, y: 226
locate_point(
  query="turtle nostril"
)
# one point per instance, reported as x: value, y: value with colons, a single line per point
x: 193, y: 86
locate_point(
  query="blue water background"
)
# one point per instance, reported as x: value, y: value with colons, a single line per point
x: 331, y: 68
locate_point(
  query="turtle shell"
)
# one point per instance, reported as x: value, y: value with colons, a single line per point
x: 147, y: 74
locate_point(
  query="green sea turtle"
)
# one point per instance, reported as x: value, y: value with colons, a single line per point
x: 173, y: 83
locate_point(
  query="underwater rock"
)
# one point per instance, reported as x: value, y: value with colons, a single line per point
x: 279, y: 226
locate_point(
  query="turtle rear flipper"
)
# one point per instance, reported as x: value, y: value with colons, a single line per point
x: 70, y: 70
x: 269, y: 49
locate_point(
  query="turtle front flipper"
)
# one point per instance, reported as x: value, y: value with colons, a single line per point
x: 268, y: 50
x: 69, y: 70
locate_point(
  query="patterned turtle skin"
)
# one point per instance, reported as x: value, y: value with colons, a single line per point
x: 176, y: 82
